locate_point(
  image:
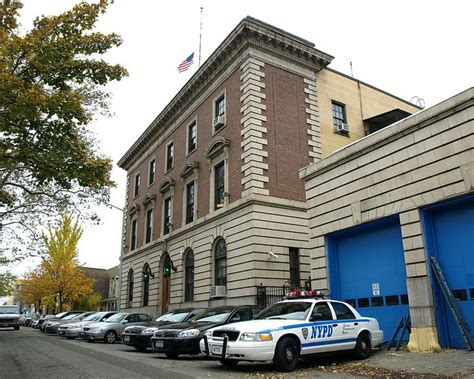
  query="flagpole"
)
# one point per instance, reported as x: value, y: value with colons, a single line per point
x: 200, y: 38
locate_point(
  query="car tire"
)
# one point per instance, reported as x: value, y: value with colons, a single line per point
x: 362, y: 349
x: 287, y: 354
x: 110, y: 336
x: 17, y: 327
x: 172, y: 355
x: 229, y: 362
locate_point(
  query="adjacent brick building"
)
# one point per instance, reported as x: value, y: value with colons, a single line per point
x: 216, y: 210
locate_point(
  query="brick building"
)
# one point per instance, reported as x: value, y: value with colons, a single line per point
x: 216, y: 211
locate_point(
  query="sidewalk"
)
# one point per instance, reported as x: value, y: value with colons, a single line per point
x: 402, y: 364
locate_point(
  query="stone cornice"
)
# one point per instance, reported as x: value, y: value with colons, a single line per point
x: 249, y: 32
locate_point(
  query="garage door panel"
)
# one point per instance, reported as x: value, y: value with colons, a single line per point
x: 367, y: 269
x: 450, y: 234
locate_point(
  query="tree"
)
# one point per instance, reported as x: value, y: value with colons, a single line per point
x: 7, y: 280
x: 91, y: 302
x: 32, y: 289
x: 51, y: 87
x: 61, y: 272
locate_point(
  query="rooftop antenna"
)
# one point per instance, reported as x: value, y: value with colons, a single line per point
x: 200, y: 38
x: 352, y: 74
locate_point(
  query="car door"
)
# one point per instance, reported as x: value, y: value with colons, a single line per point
x: 346, y: 333
x: 317, y: 336
x: 241, y: 314
x: 129, y: 320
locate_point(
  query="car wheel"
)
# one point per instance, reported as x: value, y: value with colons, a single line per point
x: 110, y: 336
x: 172, y: 355
x: 229, y: 362
x: 17, y: 327
x: 362, y: 348
x: 287, y: 353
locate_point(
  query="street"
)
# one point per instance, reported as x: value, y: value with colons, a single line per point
x: 29, y: 353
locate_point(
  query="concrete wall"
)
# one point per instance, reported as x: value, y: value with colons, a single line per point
x: 422, y: 160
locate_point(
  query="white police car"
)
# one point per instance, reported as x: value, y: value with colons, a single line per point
x: 302, y: 325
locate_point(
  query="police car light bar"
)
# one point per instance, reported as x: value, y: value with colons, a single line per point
x: 306, y: 294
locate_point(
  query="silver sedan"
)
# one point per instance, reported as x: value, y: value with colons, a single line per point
x: 73, y: 329
x: 111, y: 329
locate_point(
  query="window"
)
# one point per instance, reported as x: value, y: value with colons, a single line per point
x: 130, y: 287
x: 321, y: 312
x: 220, y: 263
x: 342, y: 311
x: 149, y: 225
x: 169, y: 156
x: 136, y: 190
x: 189, y: 276
x: 219, y: 180
x: 219, y: 113
x: 167, y: 216
x: 151, y: 172
x: 338, y: 113
x: 146, y: 283
x: 192, y: 136
x: 190, y: 202
x: 133, y: 236
x: 294, y: 267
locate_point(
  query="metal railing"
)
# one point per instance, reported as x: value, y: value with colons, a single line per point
x: 267, y: 295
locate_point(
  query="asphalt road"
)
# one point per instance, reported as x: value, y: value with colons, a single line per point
x: 29, y: 353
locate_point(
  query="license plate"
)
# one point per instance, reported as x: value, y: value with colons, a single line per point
x: 216, y: 349
x: 159, y: 344
x: 126, y: 338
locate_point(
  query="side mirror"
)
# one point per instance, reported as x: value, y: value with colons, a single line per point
x: 125, y: 322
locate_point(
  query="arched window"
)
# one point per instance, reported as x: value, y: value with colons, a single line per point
x: 146, y: 283
x: 220, y: 263
x: 189, y: 276
x: 130, y: 287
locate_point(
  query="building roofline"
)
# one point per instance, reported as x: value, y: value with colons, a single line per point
x: 373, y: 87
x: 247, y: 30
x: 392, y: 132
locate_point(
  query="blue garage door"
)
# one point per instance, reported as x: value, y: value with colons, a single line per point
x: 367, y: 270
x: 449, y: 231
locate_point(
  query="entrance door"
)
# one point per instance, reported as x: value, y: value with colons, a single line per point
x: 166, y: 284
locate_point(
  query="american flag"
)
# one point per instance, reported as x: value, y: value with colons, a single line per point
x: 184, y: 65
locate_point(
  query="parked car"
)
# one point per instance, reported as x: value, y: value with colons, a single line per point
x: 29, y: 317
x: 10, y: 316
x: 292, y: 328
x: 71, y: 330
x: 139, y: 336
x: 56, y: 317
x: 111, y: 329
x: 184, y: 338
x: 53, y: 326
x: 42, y: 320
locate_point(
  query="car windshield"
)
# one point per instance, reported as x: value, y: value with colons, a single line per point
x: 9, y: 309
x: 71, y: 316
x: 117, y: 317
x: 213, y: 315
x: 49, y: 316
x: 286, y: 311
x: 93, y: 317
x: 59, y: 315
x: 175, y: 317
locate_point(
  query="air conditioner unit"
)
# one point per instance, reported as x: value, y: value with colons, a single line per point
x: 219, y: 121
x: 342, y: 127
x: 218, y: 291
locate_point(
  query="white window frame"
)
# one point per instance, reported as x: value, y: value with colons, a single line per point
x: 189, y: 152
x: 136, y: 185
x: 146, y: 226
x: 166, y: 156
x: 150, y: 183
x: 133, y: 221
x: 214, y: 113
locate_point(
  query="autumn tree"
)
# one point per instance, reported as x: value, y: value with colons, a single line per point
x: 90, y: 302
x: 32, y: 290
x: 7, y: 280
x: 51, y: 87
x: 61, y: 272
